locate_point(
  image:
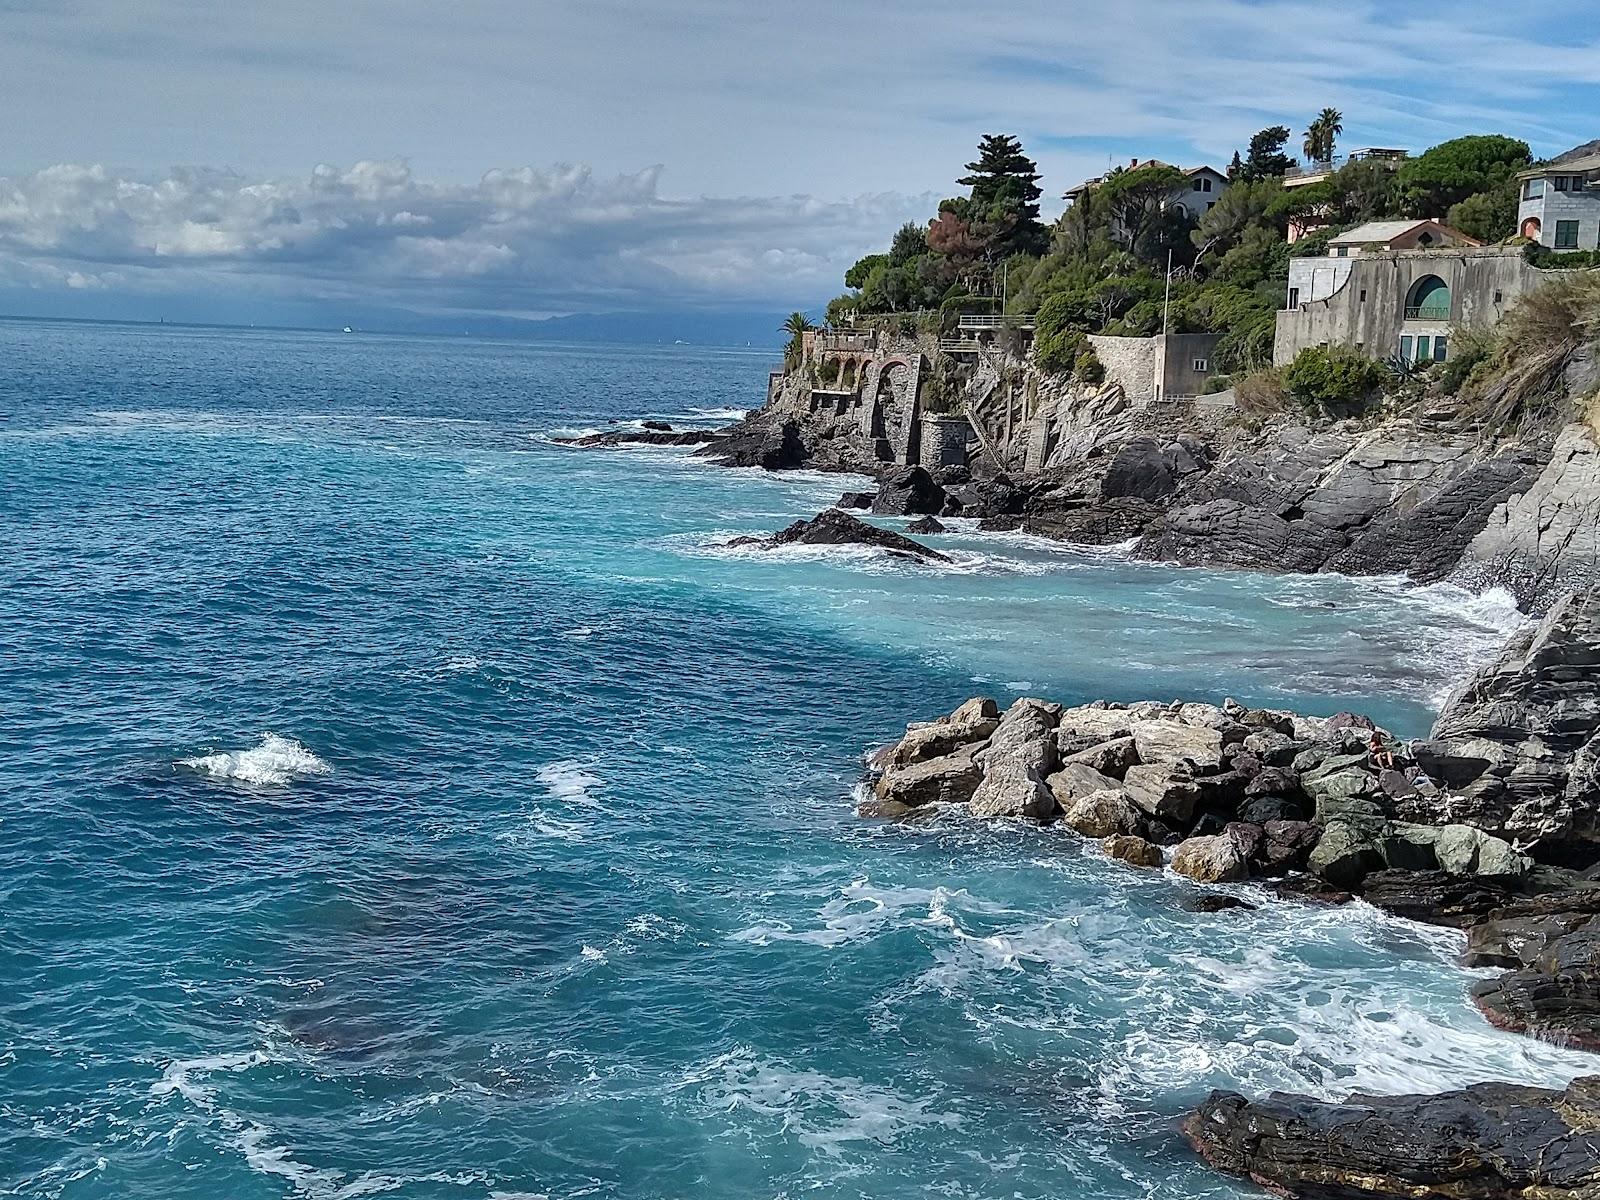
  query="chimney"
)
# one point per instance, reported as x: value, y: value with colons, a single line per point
x: 1133, y: 162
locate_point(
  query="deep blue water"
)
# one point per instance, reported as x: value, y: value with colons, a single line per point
x: 397, y: 803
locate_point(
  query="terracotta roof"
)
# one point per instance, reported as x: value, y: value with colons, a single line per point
x: 1388, y: 231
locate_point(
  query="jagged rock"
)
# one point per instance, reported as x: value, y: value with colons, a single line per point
x: 1287, y: 844
x: 1013, y: 786
x: 1346, y: 853
x: 1214, y: 902
x: 773, y: 445
x: 949, y: 780
x: 1100, y: 724
x: 654, y: 433
x: 1020, y: 755
x: 1261, y: 809
x: 888, y: 810
x: 1103, y: 814
x: 834, y: 527
x: 1273, y: 781
x: 1348, y: 720
x: 1174, y: 742
x: 1144, y: 468
x: 1111, y: 758
x: 908, y: 491
x: 1075, y: 780
x: 973, y: 722
x: 855, y: 500
x: 1512, y: 940
x: 1274, y: 749
x: 1220, y: 859
x: 1515, y: 745
x: 1485, y: 1142
x: 1435, y: 897
x: 1161, y: 794
x: 1133, y: 850
x: 926, y: 525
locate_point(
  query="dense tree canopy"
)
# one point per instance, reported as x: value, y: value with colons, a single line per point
x: 1455, y: 170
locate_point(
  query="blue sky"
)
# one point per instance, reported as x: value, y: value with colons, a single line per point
x: 525, y: 157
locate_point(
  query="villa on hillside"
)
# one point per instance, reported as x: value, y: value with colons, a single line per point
x: 1204, y: 185
x: 1560, y: 204
x: 1299, y: 177
x: 1395, y: 290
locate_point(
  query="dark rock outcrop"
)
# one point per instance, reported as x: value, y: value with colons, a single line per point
x: 1518, y: 745
x: 654, y: 433
x: 761, y: 441
x: 1484, y: 1142
x: 833, y: 527
x: 909, y: 491
x: 926, y: 525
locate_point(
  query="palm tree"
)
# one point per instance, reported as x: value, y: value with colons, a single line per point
x: 796, y: 324
x: 1322, y: 134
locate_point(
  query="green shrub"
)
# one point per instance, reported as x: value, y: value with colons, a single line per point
x: 1058, y: 351
x: 1331, y: 378
x: 1088, y: 368
x: 1215, y: 384
x: 1467, y: 352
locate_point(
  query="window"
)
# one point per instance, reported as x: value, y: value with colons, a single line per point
x: 1441, y: 348
x: 1499, y: 296
x: 1343, y: 252
x: 1533, y: 189
x: 1294, y: 297
x: 1405, y: 348
x: 1205, y: 185
x: 1562, y: 182
x: 1201, y: 366
x: 1422, y: 349
x: 1566, y: 235
x: 1363, y: 299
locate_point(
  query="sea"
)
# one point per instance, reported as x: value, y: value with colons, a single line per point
x: 396, y: 802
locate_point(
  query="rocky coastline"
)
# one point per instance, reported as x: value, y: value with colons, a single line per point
x: 1489, y: 825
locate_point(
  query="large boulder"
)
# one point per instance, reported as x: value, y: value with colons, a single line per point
x: 910, y: 491
x: 1075, y: 780
x: 1021, y: 754
x: 948, y: 780
x: 1485, y: 1142
x: 1176, y: 742
x: 973, y: 722
x: 1132, y: 850
x: 1347, y: 853
x: 1104, y: 814
x: 1219, y: 859
x: 1162, y: 794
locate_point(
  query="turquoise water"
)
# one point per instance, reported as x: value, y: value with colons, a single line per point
x: 396, y: 803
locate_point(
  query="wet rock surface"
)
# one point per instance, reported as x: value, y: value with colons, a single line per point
x: 1483, y: 1142
x: 835, y: 527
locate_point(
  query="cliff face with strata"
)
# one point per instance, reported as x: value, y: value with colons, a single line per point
x: 1186, y: 477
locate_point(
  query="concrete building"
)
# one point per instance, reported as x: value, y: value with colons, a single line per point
x: 1153, y: 369
x: 1198, y: 193
x: 1317, y: 278
x: 1400, y: 303
x: 1560, y: 205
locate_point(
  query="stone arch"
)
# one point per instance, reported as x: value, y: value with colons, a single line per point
x: 1429, y: 299
x: 1532, y: 228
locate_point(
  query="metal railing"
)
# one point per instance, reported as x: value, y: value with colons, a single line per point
x: 1428, y: 312
x: 994, y: 321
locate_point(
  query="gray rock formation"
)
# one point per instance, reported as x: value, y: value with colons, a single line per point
x: 1517, y: 747
x: 1486, y: 1142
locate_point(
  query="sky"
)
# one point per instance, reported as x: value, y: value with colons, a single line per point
x: 393, y: 160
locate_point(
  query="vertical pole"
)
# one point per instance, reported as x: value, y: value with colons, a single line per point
x: 1166, y: 318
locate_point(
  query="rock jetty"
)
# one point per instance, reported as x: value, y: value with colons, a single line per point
x: 1488, y: 825
x: 653, y: 433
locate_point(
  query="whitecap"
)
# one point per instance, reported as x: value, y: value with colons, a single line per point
x: 570, y: 782
x: 273, y: 762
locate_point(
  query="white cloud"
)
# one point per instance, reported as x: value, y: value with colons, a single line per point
x: 528, y: 239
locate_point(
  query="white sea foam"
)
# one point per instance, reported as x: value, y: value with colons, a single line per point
x: 825, y: 1112
x: 273, y: 762
x: 570, y: 782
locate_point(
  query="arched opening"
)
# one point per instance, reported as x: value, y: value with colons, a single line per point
x: 1429, y: 300
x: 1532, y: 228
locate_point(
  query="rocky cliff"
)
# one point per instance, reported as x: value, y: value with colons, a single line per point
x: 1425, y: 494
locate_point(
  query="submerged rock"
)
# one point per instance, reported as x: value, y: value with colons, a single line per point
x: 654, y: 433
x: 926, y: 525
x: 833, y: 527
x: 1484, y: 1142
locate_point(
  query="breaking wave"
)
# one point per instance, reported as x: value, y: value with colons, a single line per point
x: 273, y: 762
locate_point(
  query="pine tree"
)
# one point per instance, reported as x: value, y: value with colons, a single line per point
x: 1005, y: 196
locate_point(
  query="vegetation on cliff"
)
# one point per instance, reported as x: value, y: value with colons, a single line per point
x: 1103, y: 266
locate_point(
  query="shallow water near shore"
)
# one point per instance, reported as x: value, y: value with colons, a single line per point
x: 399, y: 803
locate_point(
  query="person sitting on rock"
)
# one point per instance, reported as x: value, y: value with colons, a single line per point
x: 1382, y: 756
